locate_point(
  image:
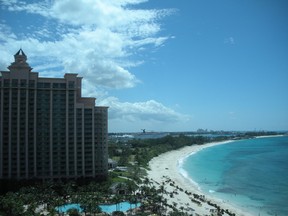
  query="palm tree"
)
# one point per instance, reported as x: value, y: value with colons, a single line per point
x: 118, y: 213
x: 131, y: 196
x: 73, y: 212
x: 121, y: 191
x: 136, y: 174
x: 156, y: 203
x: 47, y: 196
x: 175, y: 205
x: 182, y: 209
x: 11, y: 204
x: 121, y: 188
x: 117, y: 199
x: 54, y: 203
x: 177, y: 213
x: 93, y: 204
x: 162, y: 191
x: 147, y: 181
x: 83, y: 200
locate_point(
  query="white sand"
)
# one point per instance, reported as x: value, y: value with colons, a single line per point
x: 166, y: 165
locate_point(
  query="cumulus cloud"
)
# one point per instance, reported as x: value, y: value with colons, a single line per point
x: 142, y: 111
x: 98, y: 39
x: 127, y: 116
x: 93, y: 37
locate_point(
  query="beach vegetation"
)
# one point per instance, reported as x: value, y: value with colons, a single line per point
x: 73, y: 212
x: 141, y: 151
x: 132, y: 184
x: 118, y: 213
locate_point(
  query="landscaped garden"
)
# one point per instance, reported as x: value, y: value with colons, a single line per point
x: 127, y: 187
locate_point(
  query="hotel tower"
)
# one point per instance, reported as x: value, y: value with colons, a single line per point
x: 47, y: 129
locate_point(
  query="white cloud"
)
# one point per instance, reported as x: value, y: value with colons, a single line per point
x: 142, y: 111
x: 91, y: 37
x: 125, y: 116
x: 96, y: 39
x: 35, y: 8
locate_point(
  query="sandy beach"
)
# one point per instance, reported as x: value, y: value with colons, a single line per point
x: 163, y: 169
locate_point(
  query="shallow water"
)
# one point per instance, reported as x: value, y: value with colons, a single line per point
x: 251, y: 174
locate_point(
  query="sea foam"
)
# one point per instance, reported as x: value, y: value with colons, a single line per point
x: 184, y: 173
x: 238, y: 172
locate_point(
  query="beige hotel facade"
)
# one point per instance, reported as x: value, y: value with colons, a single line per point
x: 47, y: 129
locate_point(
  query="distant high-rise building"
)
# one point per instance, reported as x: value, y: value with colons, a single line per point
x: 47, y: 130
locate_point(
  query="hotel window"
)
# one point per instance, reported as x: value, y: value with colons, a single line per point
x: 71, y: 84
x: 47, y: 85
x: 31, y: 83
x: 14, y: 83
x: 40, y: 85
x: 23, y: 83
x: 6, y: 82
x: 59, y: 85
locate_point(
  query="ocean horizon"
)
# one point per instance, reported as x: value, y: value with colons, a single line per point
x: 249, y: 174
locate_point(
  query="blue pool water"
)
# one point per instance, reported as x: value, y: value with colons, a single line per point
x: 65, y: 208
x: 123, y: 206
x: 253, y: 174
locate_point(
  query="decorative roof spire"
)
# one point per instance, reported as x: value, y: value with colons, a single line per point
x: 20, y: 56
x: 20, y: 61
x: 20, y: 52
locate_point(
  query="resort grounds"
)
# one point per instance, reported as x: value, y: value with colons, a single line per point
x: 151, y: 179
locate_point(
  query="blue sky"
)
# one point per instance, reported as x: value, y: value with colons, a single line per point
x: 162, y: 65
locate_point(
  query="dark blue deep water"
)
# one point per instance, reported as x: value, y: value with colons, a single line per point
x: 252, y: 174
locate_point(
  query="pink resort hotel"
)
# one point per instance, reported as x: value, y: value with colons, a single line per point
x: 47, y: 129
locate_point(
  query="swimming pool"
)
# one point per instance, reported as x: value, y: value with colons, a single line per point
x: 123, y: 206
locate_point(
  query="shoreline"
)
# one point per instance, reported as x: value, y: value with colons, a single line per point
x: 165, y: 168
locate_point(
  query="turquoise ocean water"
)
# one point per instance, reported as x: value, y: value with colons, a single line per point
x: 251, y: 174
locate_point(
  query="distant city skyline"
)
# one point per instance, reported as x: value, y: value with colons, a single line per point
x: 162, y: 65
